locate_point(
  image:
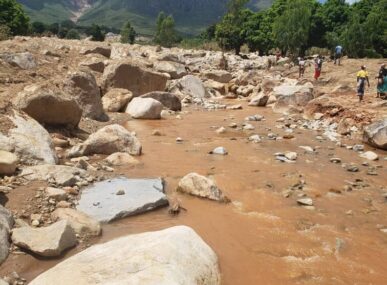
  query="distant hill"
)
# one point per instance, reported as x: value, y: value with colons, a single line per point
x: 191, y: 16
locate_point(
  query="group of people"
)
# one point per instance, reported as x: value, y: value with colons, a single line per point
x: 361, y: 76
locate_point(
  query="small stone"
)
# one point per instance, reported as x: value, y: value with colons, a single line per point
x: 56, y: 194
x: 318, y: 116
x: 358, y: 147
x: 255, y: 139
x: 120, y: 192
x: 352, y: 168
x: 219, y: 150
x: 370, y: 155
x: 291, y: 155
x: 179, y: 140
x: 63, y: 204
x: 235, y: 107
x: 335, y: 160
x: 233, y: 125
x: 35, y: 223
x: 221, y: 130
x: 156, y: 133
x: 307, y: 148
x: 248, y: 127
x: 305, y: 202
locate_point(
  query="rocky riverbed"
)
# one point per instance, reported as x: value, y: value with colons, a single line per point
x: 143, y: 165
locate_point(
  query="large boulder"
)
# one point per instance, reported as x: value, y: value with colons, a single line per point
x: 190, y: 85
x: 94, y: 64
x: 376, y: 134
x: 323, y: 104
x: 144, y: 108
x: 172, y: 256
x: 116, y: 99
x: 130, y: 75
x: 175, y: 70
x: 48, y: 242
x: 8, y: 162
x: 6, y: 223
x: 121, y: 158
x: 27, y: 139
x: 108, y: 140
x: 292, y: 96
x: 61, y: 175
x: 48, y: 106
x: 81, y: 223
x: 169, y: 100
x: 117, y: 198
x: 201, y: 186
x: 221, y: 76
x: 24, y: 60
x: 82, y: 86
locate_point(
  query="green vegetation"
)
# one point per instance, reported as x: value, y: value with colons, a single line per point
x: 72, y: 35
x: 128, y: 34
x: 294, y: 26
x: 12, y: 15
x: 96, y: 33
x: 165, y: 30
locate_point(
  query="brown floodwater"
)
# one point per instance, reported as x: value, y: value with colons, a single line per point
x: 262, y: 237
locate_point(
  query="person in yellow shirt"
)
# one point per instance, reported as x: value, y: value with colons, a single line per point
x: 362, y: 77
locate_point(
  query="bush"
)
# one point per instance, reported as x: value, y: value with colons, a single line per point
x: 128, y: 34
x: 96, y: 33
x: 5, y: 32
x: 73, y: 34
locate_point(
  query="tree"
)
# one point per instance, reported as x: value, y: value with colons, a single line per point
x: 291, y: 29
x: 53, y: 28
x: 96, y: 33
x: 73, y: 34
x: 165, y: 31
x: 229, y: 32
x: 128, y: 34
x: 38, y: 28
x: 12, y: 15
x: 5, y: 32
x: 376, y: 28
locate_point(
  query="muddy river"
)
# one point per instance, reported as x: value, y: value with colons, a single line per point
x: 263, y: 236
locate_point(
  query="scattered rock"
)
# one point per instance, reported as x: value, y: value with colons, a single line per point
x: 221, y: 76
x: 255, y: 139
x: 8, y: 163
x: 56, y: 193
x: 6, y: 223
x: 219, y: 150
x: 116, y: 99
x: 48, y: 106
x: 259, y: 100
x: 129, y: 75
x: 59, y: 174
x: 28, y: 140
x: 100, y: 201
x: 305, y: 202
x: 370, y: 155
x: 81, y: 223
x: 82, y: 86
x: 108, y: 140
x: 174, y: 69
x: 121, y: 158
x: 169, y: 100
x: 49, y: 241
x: 172, y: 256
x: 144, y: 108
x: 201, y: 186
x: 105, y: 51
x: 24, y: 60
x: 376, y: 134
x: 192, y: 86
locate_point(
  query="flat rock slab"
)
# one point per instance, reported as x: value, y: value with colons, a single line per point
x: 121, y: 197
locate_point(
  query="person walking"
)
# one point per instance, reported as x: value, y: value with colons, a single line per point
x: 338, y: 54
x: 317, y: 67
x: 381, y: 88
x: 301, y: 67
x: 362, y: 77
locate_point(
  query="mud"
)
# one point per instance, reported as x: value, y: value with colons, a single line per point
x: 263, y: 236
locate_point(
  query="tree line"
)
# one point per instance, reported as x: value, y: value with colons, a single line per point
x: 293, y: 26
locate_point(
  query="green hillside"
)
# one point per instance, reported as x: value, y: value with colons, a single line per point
x: 191, y: 16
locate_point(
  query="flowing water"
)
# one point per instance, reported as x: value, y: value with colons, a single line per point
x: 262, y: 237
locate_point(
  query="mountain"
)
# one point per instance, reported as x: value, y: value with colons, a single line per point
x: 191, y: 16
